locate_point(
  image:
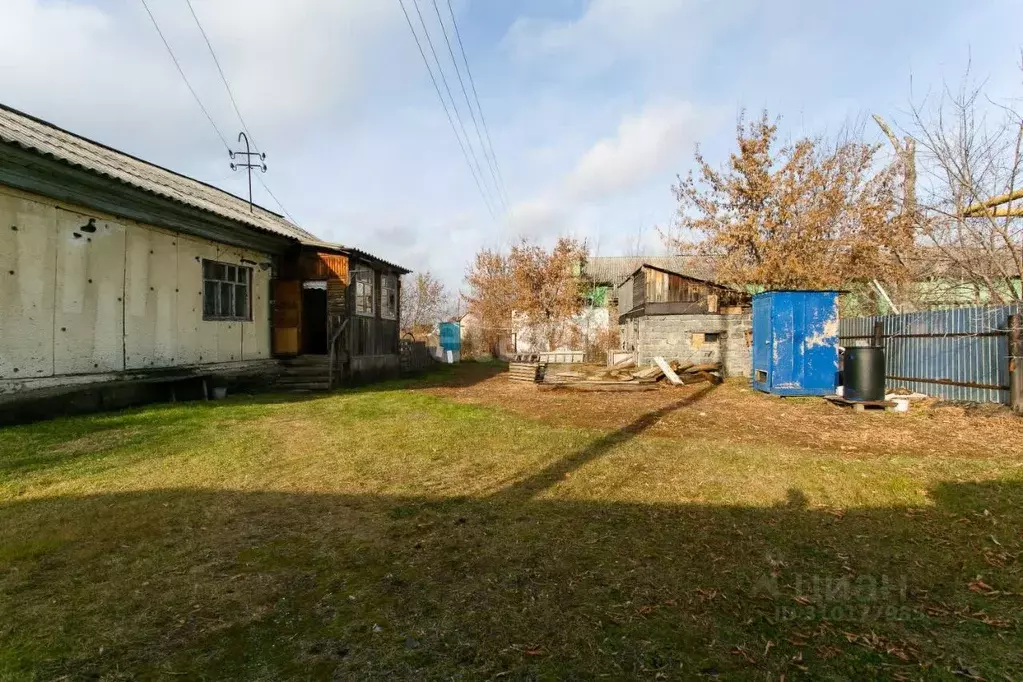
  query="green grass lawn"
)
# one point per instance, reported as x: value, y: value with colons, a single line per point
x: 394, y: 532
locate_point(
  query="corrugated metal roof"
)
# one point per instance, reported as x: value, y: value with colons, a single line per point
x: 614, y: 270
x: 44, y: 138
x: 320, y: 244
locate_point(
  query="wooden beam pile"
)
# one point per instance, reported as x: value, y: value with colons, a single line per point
x: 622, y: 377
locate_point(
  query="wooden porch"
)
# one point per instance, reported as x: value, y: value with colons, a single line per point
x: 335, y: 318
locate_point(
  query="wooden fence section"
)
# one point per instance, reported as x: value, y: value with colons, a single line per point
x: 415, y: 356
x: 961, y: 354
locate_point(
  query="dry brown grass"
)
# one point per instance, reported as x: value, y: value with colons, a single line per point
x: 735, y: 413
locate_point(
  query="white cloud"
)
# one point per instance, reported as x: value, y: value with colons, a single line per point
x: 612, y: 30
x: 645, y: 145
x: 538, y: 217
x: 103, y: 71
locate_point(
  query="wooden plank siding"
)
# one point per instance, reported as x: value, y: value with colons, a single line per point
x: 639, y: 288
x: 654, y: 291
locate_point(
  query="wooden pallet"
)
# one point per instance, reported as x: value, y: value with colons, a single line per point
x: 861, y: 405
x: 525, y: 371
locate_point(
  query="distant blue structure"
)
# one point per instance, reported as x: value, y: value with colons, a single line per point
x: 451, y: 340
x: 795, y: 342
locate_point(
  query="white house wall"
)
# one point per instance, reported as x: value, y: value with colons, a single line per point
x: 150, y: 303
x: 89, y: 316
x: 28, y: 257
x: 125, y: 296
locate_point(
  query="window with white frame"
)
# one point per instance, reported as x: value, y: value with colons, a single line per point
x: 362, y: 280
x: 389, y: 297
x: 225, y: 291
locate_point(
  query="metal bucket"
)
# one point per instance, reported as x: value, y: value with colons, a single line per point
x: 864, y: 373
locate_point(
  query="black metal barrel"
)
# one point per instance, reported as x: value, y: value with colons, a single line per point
x: 864, y: 373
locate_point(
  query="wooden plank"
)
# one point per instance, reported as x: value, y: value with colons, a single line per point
x: 668, y: 372
x: 601, y: 387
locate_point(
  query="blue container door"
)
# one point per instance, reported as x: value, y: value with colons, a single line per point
x: 806, y: 343
x: 762, y: 342
x: 819, y: 343
x: 787, y: 324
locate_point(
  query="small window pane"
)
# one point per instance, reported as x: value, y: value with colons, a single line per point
x: 219, y: 271
x: 241, y: 302
x: 207, y: 269
x: 226, y: 297
x: 232, y: 273
x: 209, y: 299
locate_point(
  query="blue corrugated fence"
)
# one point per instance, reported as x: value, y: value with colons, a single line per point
x: 959, y: 354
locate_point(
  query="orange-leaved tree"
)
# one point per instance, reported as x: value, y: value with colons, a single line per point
x: 490, y: 299
x: 530, y: 289
x: 810, y: 214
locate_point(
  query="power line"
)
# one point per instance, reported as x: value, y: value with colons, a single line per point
x: 222, y: 76
x: 198, y: 101
x: 184, y: 77
x: 454, y: 107
x: 465, y: 94
x: 476, y: 96
x: 447, y: 113
x: 457, y: 116
x: 278, y: 201
x: 237, y: 109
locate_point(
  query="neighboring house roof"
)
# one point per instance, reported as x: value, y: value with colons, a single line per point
x: 613, y: 270
x: 42, y: 137
x: 692, y: 277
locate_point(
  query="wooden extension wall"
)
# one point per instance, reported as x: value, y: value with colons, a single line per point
x: 667, y: 287
x: 312, y: 266
x: 375, y: 335
x: 651, y: 291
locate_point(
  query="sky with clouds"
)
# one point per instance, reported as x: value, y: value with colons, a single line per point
x: 593, y: 107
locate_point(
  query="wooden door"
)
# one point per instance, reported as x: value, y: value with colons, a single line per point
x: 287, y: 319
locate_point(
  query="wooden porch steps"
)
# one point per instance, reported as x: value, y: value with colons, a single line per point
x: 304, y: 373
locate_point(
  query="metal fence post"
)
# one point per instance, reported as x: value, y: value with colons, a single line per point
x: 1016, y: 363
x: 877, y: 338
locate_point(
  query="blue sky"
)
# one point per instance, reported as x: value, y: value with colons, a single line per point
x: 593, y: 106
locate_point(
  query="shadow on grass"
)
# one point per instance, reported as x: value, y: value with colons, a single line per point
x: 188, y: 583
x: 551, y: 475
x: 461, y: 375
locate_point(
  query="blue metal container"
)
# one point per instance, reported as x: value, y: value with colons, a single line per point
x: 795, y: 342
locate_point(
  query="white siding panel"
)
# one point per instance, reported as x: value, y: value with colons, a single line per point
x: 151, y: 275
x: 207, y: 330
x: 163, y: 272
x: 89, y: 318
x: 189, y: 301
x: 27, y: 259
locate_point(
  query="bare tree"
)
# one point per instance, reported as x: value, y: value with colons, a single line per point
x: 424, y: 302
x: 970, y: 222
